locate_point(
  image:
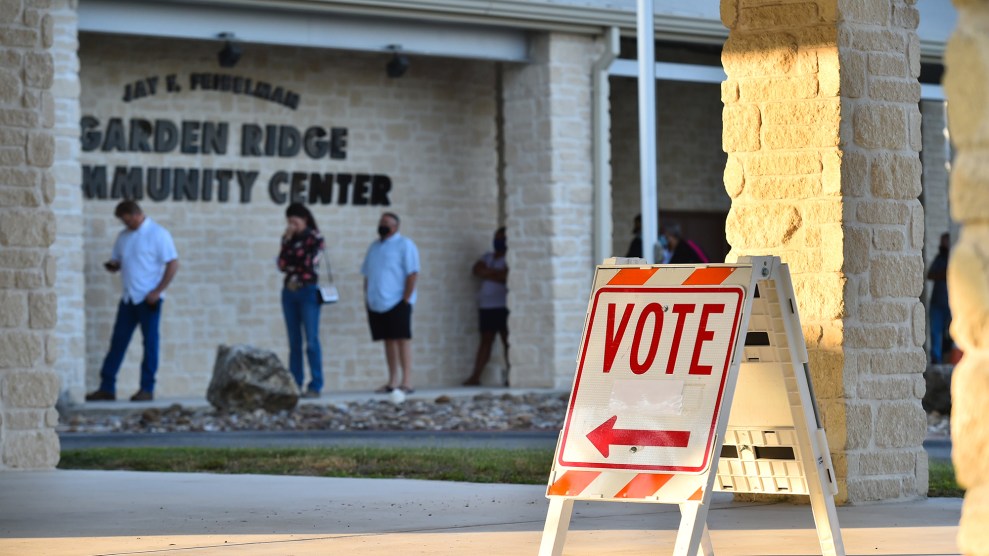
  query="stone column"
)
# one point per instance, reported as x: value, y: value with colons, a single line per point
x: 822, y: 130
x: 549, y: 195
x: 28, y: 304
x: 68, y: 248
x: 966, y: 85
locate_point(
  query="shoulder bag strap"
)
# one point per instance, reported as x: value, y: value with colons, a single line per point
x: 324, y: 262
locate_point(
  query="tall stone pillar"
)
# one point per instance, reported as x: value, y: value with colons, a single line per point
x: 822, y: 131
x: 28, y: 304
x: 68, y: 248
x: 966, y: 85
x: 549, y: 194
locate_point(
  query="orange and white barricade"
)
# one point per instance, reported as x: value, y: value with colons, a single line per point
x: 690, y: 379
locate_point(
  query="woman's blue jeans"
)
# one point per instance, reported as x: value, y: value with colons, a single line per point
x: 940, y: 319
x: 301, y: 309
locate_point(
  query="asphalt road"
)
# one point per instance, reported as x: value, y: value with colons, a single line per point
x: 302, y: 439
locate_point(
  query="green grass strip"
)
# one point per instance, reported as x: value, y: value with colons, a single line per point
x: 942, y: 481
x: 443, y: 464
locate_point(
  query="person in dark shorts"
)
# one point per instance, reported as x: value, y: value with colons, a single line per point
x: 390, y: 269
x: 492, y: 305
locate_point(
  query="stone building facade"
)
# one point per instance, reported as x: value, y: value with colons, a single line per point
x: 819, y: 117
x: 431, y: 133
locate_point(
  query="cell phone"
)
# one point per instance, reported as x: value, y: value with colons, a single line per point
x: 111, y: 265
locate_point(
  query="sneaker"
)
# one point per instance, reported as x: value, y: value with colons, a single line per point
x: 142, y: 396
x: 310, y: 394
x: 100, y: 396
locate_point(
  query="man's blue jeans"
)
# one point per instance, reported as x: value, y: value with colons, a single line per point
x: 129, y: 316
x: 940, y: 319
x: 301, y: 309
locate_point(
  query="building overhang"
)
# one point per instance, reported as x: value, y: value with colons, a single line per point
x: 495, y: 29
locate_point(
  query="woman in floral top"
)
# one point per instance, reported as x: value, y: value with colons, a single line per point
x: 298, y: 259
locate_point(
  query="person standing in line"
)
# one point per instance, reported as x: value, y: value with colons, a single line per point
x: 940, y: 311
x: 492, y: 302
x: 144, y: 254
x: 390, y: 269
x: 683, y: 250
x: 635, y: 247
x: 301, y: 247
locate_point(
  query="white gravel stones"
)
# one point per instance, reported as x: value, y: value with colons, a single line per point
x: 483, y: 412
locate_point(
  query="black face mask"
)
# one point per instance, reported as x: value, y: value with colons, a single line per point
x: 383, y: 231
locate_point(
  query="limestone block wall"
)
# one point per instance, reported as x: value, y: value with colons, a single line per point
x: 967, y: 90
x: 547, y: 110
x: 688, y: 149
x: 432, y: 132
x: 68, y: 247
x: 28, y: 302
x: 822, y: 131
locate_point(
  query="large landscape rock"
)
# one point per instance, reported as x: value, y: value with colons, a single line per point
x: 246, y: 378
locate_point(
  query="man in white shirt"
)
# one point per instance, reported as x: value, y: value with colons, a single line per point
x: 145, y: 256
x: 390, y: 270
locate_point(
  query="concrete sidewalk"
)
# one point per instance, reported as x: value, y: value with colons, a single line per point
x: 55, y: 513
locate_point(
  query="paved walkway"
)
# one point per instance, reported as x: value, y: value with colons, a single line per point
x: 56, y: 513
x: 59, y: 513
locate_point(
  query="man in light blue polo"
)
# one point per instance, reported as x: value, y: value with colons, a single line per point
x: 390, y: 270
x: 145, y: 256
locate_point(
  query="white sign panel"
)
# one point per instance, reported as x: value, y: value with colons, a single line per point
x: 651, y: 377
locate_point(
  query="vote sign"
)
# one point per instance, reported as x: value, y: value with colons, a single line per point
x: 651, y: 377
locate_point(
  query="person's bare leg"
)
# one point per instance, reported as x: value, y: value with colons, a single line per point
x: 392, y: 350
x: 404, y: 349
x: 481, y: 359
x: 504, y: 342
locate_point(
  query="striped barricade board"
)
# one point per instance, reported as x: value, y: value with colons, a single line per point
x: 691, y: 379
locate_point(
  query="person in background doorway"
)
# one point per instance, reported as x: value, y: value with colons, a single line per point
x: 661, y: 249
x: 145, y: 256
x: 390, y: 269
x: 940, y: 312
x: 635, y: 248
x: 683, y: 250
x: 492, y: 303
x: 300, y: 250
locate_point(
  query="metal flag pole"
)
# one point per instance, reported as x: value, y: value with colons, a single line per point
x: 647, y: 129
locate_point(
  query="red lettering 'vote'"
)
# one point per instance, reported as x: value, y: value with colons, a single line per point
x: 613, y: 338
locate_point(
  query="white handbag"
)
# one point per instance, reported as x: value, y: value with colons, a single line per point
x: 327, y: 291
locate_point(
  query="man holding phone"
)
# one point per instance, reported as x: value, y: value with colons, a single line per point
x: 145, y: 256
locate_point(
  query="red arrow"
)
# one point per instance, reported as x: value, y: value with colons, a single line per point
x: 607, y: 435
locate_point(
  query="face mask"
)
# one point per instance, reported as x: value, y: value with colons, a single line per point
x: 664, y: 242
x: 500, y: 245
x: 383, y: 231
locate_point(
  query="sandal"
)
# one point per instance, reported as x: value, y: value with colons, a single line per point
x: 407, y: 389
x: 386, y: 389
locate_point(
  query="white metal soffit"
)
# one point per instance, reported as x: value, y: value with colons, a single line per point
x: 487, y: 24
x: 693, y: 21
x: 250, y: 22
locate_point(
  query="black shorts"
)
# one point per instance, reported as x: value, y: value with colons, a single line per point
x: 493, y: 320
x: 394, y: 324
